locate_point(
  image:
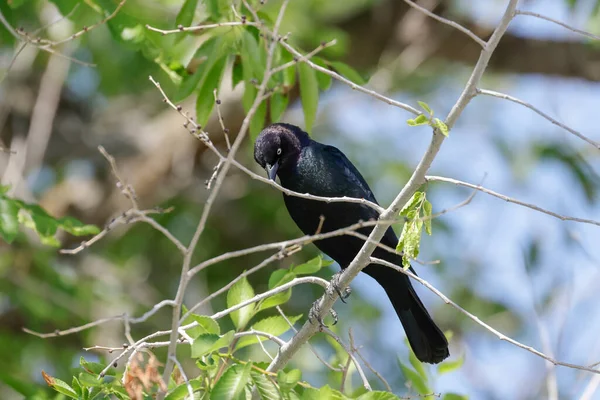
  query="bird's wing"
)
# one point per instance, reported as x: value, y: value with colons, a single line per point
x: 355, y: 180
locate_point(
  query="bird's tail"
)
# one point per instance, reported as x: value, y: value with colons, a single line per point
x: 426, y: 340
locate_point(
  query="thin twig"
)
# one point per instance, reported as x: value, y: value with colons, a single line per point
x: 182, y: 29
x: 540, y: 16
x: 310, y: 346
x: 475, y: 318
x: 453, y: 24
x: 539, y: 112
x: 511, y: 200
x: 101, y: 321
x: 184, y: 376
x: 359, y: 369
x: 221, y: 121
x: 368, y: 365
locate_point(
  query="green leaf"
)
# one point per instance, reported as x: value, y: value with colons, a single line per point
x: 348, y: 72
x: 312, y: 266
x: 9, y: 222
x: 427, y: 214
x: 378, y: 396
x: 289, y: 74
x: 76, y: 227
x: 94, y: 368
x: 258, y: 120
x: 232, y: 383
x: 181, y: 391
x: 239, y: 292
x: 89, y: 380
x: 206, y: 98
x: 204, y: 57
x: 454, y: 396
x: 275, y: 325
x: 280, y: 277
x: 279, y: 298
x: 251, y: 55
x: 209, y: 342
x: 278, y: 105
x: 410, y: 239
x: 237, y: 73
x: 415, y: 379
x: 412, y: 203
x: 425, y: 107
x: 417, y: 365
x: 288, y: 380
x: 205, y: 325
x: 324, y: 393
x: 266, y: 388
x: 450, y: 366
x: 186, y: 14
x: 420, y: 120
x: 441, y: 125
x: 309, y: 94
x: 324, y: 80
x: 60, y: 386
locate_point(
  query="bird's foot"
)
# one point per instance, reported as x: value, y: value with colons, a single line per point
x: 334, y: 286
x: 314, y: 314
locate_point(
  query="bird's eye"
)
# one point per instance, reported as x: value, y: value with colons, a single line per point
x: 279, y: 151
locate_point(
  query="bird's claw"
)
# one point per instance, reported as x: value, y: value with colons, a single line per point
x: 314, y: 314
x: 335, y: 286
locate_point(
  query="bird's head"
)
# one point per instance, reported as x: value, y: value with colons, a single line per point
x: 278, y: 147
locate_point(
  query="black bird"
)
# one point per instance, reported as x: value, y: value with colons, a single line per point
x: 306, y: 166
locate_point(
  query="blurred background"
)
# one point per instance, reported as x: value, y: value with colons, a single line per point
x: 531, y: 276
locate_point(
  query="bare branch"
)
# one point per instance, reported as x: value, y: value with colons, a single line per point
x: 348, y: 82
x: 373, y: 370
x: 453, y: 24
x: 361, y: 373
x: 546, y: 116
x: 197, y: 28
x: 310, y: 346
x: 475, y: 318
x: 254, y: 332
x: 557, y: 22
x: 185, y: 378
x: 511, y: 200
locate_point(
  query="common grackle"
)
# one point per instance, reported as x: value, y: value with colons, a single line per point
x: 306, y: 166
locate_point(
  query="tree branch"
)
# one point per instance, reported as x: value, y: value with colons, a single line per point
x: 417, y: 178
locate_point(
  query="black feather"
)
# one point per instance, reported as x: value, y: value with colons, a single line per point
x: 307, y: 166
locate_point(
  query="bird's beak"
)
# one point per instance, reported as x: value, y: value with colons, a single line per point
x: 272, y: 170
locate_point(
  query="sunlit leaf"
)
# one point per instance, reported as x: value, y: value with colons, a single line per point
x: 450, y: 366
x: 266, y: 388
x: 231, y: 385
x: 60, y: 386
x: 312, y: 266
x: 421, y: 119
x: 182, y: 391
x: 275, y: 325
x: 425, y: 107
x: 239, y: 292
x: 208, y: 342
x: 9, y: 223
x: 287, y: 380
